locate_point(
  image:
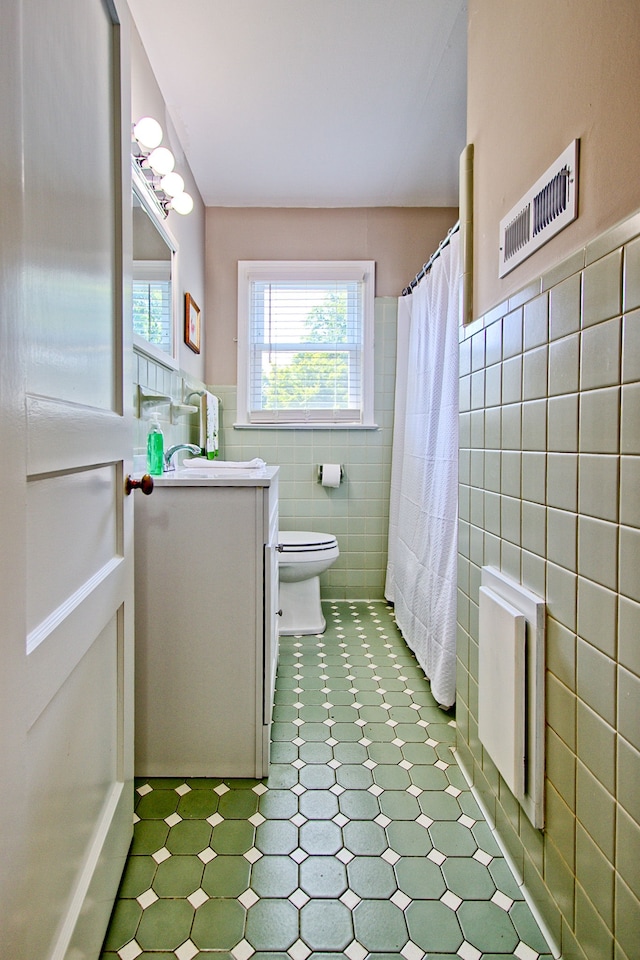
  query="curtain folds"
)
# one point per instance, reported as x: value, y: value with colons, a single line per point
x: 422, y: 560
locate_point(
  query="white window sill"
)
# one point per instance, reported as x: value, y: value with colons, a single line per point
x: 306, y: 426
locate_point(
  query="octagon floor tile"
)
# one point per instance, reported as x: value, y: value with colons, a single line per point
x: 283, y: 752
x: 124, y: 923
x: 453, y: 839
x: 138, y: 876
x: 323, y: 877
x: 316, y: 753
x: 326, y: 925
x: 439, y: 805
x: 390, y: 777
x: 320, y: 837
x: 148, y: 836
x: 274, y: 877
x: 218, y: 925
x: 318, y: 805
x: 178, y: 876
x: 276, y: 837
x: 226, y: 876
x: 359, y: 805
x: 425, y: 755
x: 350, y: 752
x: 232, y: 837
x: 433, y: 926
x: 364, y: 838
x: 371, y: 878
x: 272, y: 925
x: 198, y: 804
x: 380, y: 926
x: 346, y: 732
x: 278, y: 804
x: 238, y: 805
x: 352, y: 776
x: 385, y: 753
x: 158, y: 804
x: 408, y: 838
x: 165, y: 924
x: 468, y: 878
x: 316, y: 776
x: 399, y: 805
x: 188, y: 836
x: 419, y: 878
x: 504, y: 879
x: 526, y: 926
x: 487, y: 926
x: 379, y: 732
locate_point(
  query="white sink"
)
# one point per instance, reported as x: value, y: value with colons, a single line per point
x: 219, y: 473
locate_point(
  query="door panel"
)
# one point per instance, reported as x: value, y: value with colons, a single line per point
x: 71, y: 514
x: 72, y: 762
x: 70, y: 215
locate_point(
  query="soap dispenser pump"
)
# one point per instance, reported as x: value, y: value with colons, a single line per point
x: 155, y: 448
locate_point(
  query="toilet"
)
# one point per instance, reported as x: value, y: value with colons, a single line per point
x: 302, y: 557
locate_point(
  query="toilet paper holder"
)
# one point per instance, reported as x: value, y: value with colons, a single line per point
x: 320, y: 466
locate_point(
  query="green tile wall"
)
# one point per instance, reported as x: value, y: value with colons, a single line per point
x: 549, y: 471
x: 358, y: 511
x: 154, y: 379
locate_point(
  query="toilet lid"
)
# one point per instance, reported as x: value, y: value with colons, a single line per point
x: 297, y: 541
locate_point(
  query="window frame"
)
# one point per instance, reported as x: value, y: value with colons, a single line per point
x: 141, y: 344
x: 298, y: 271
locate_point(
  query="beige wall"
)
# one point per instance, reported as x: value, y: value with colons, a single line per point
x: 398, y: 239
x: 539, y: 75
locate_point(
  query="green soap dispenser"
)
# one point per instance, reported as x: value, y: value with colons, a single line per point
x: 155, y: 448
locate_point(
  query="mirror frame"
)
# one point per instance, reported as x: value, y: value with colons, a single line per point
x: 150, y: 205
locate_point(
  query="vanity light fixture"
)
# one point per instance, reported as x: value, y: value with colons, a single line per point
x: 154, y: 165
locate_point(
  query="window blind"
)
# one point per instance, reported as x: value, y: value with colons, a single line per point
x: 152, y: 303
x: 306, y: 350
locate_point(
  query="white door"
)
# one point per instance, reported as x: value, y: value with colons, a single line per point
x: 65, y: 442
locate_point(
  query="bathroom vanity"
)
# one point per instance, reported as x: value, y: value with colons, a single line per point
x: 206, y: 623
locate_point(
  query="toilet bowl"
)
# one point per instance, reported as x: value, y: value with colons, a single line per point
x: 302, y: 557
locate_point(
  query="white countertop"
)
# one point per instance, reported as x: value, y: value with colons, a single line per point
x: 217, y: 477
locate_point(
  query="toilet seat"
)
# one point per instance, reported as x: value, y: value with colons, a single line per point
x: 291, y: 542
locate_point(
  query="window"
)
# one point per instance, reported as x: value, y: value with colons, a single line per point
x: 305, y: 342
x: 154, y: 280
x: 152, y: 313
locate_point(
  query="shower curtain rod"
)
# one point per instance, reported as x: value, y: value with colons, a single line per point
x: 427, y: 266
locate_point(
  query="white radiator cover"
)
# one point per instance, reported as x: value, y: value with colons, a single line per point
x: 501, y: 687
x: 511, y: 675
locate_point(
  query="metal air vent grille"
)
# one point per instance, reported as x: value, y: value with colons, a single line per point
x: 549, y: 206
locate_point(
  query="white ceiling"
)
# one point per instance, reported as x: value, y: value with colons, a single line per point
x: 316, y: 103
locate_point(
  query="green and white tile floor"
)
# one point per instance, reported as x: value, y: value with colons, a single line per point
x: 364, y: 841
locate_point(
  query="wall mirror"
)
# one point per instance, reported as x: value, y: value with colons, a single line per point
x: 155, y: 312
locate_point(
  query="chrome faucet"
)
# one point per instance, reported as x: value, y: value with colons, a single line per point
x: 168, y: 457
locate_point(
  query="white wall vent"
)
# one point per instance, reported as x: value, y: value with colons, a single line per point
x: 546, y: 209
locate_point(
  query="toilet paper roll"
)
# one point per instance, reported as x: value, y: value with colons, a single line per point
x: 330, y: 474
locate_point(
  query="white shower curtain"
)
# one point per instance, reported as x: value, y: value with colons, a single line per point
x: 422, y: 560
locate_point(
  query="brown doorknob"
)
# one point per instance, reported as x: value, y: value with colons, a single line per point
x: 145, y: 484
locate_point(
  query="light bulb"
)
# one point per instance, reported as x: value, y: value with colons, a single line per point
x: 148, y: 133
x: 161, y: 161
x: 182, y: 204
x: 172, y: 184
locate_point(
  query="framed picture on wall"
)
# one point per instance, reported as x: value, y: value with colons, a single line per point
x: 191, y: 323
